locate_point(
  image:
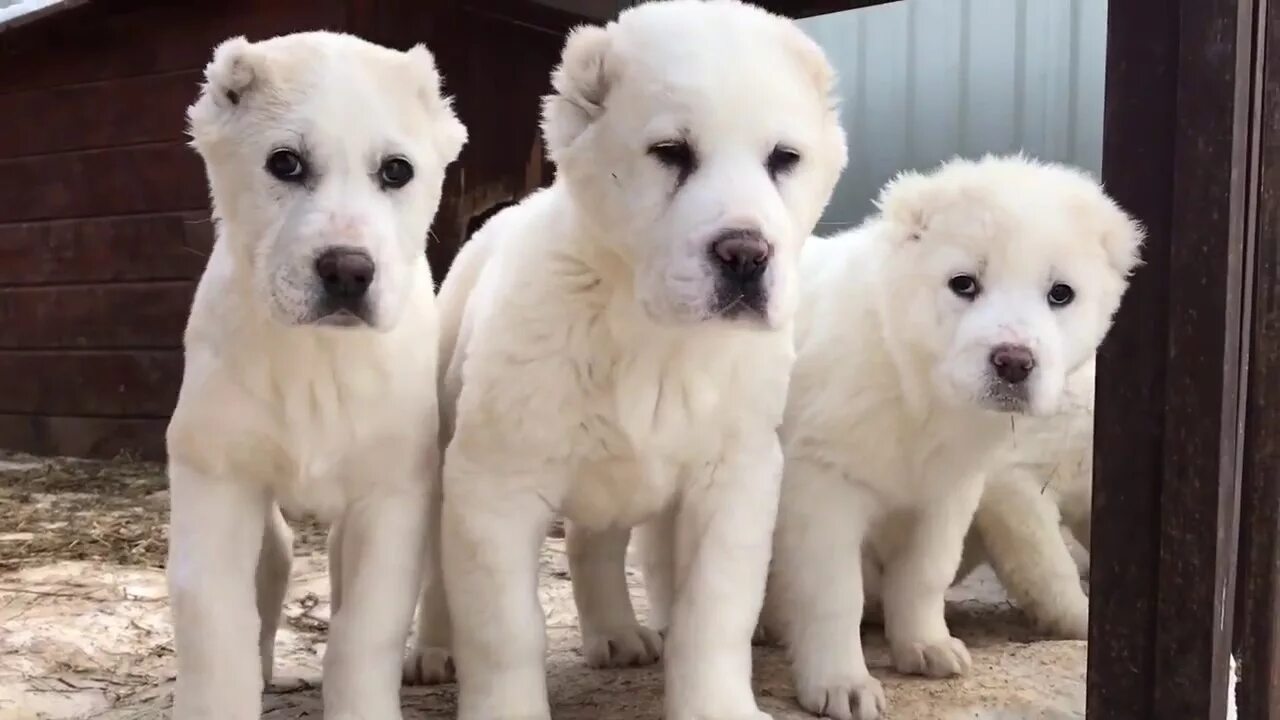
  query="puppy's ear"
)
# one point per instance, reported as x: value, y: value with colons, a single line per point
x: 580, y: 85
x: 449, y: 133
x: 236, y: 67
x: 236, y: 70
x: 816, y: 66
x: 905, y: 203
x: 1122, y: 239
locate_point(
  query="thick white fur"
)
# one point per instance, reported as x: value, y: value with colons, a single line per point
x: 591, y: 377
x: 892, y: 417
x: 1041, y: 486
x: 276, y: 410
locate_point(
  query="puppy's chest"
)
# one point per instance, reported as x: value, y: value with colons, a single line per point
x: 911, y: 461
x: 649, y: 415
x: 334, y: 432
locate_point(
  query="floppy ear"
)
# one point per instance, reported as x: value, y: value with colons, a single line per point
x: 236, y: 70
x: 912, y: 201
x: 450, y: 134
x: 905, y: 203
x: 579, y: 88
x: 1123, y: 240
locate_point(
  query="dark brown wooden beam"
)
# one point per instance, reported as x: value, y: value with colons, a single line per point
x: 1258, y: 588
x: 806, y: 8
x: 1180, y: 79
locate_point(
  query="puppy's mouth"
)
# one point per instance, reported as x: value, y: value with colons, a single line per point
x: 748, y: 305
x: 1003, y: 397
x: 341, y: 318
x: 344, y: 317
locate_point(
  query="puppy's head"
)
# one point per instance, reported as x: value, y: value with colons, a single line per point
x: 701, y: 140
x: 325, y: 156
x: 1003, y: 277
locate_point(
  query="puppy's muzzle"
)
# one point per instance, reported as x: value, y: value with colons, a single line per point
x: 345, y: 275
x: 740, y: 258
x: 1010, y: 367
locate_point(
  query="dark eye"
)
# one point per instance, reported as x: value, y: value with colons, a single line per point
x: 965, y: 286
x: 287, y: 166
x: 1061, y: 294
x: 782, y: 161
x: 396, y: 172
x: 675, y: 154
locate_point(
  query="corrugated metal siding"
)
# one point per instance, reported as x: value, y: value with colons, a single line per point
x: 925, y: 80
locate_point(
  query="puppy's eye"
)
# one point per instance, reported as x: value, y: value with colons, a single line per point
x: 675, y: 154
x: 782, y: 161
x: 287, y: 166
x: 964, y: 286
x: 1061, y: 295
x: 395, y: 172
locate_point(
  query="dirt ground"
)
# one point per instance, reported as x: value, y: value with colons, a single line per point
x: 84, y: 629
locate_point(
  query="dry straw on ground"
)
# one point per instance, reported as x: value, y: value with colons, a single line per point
x: 84, y: 627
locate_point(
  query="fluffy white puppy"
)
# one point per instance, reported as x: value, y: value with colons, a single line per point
x: 623, y: 350
x: 1042, y: 485
x: 310, y: 363
x: 966, y: 301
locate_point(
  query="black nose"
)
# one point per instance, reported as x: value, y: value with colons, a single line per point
x: 742, y: 254
x: 1013, y: 363
x: 345, y: 272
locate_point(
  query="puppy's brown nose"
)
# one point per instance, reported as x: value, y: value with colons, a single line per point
x: 1013, y: 363
x: 345, y: 272
x: 742, y: 254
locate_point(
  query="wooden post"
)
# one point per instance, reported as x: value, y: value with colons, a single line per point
x: 1257, y: 639
x: 1172, y: 378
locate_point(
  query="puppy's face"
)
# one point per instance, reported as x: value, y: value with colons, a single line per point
x: 325, y: 156
x: 1004, y: 278
x: 702, y: 143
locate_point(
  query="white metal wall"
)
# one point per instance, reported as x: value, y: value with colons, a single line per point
x: 925, y: 80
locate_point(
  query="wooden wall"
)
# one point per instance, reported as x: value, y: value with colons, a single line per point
x: 104, y: 209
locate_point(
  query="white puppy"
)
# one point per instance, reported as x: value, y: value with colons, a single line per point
x: 966, y: 301
x: 623, y: 350
x: 310, y: 363
x: 1044, y: 481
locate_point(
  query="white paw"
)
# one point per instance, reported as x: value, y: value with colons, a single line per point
x: 622, y: 647
x: 428, y: 666
x: 854, y: 698
x: 939, y: 660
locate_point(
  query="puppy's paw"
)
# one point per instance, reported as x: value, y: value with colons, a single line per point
x: 852, y: 698
x: 428, y: 666
x: 628, y: 646
x: 943, y: 659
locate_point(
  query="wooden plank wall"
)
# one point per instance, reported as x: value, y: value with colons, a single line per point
x: 104, y: 213
x: 496, y: 57
x: 104, y: 210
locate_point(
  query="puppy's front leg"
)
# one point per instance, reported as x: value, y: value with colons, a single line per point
x: 656, y: 546
x: 429, y: 662
x: 816, y: 592
x: 215, y: 536
x: 381, y: 544
x: 724, y: 529
x: 493, y: 530
x: 611, y: 636
x: 916, y: 578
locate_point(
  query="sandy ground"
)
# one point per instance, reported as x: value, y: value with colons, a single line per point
x: 84, y: 629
